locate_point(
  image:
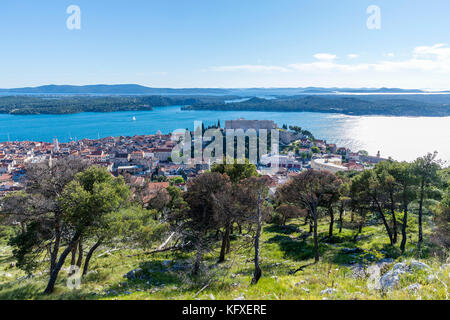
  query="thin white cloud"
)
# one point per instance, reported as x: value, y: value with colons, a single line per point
x: 329, y: 66
x: 250, y: 68
x: 325, y: 56
x: 353, y: 56
x: 434, y: 58
x: 439, y: 51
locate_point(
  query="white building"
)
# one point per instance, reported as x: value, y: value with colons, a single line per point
x: 278, y: 160
x: 328, y: 164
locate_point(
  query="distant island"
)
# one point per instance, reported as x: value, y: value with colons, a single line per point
x: 390, y: 106
x: 58, y: 104
x: 55, y: 99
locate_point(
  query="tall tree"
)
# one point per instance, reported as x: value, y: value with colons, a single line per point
x: 426, y: 169
x: 237, y: 173
x: 441, y: 232
x: 344, y: 200
x: 39, y: 213
x: 383, y: 171
x: 85, y: 203
x: 311, y: 189
x: 369, y: 193
x: 406, y: 181
x: 206, y: 196
x: 252, y: 197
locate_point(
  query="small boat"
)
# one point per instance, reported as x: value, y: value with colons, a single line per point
x: 134, y: 118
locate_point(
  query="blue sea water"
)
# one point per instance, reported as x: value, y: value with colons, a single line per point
x: 403, y: 138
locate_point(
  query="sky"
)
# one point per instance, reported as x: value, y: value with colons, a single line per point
x: 227, y: 43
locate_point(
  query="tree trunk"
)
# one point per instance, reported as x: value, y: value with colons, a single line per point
x: 363, y: 218
x: 422, y: 186
x: 405, y: 222
x: 331, y: 213
x: 74, y: 254
x: 229, y: 242
x: 386, y: 226
x: 394, y: 220
x: 257, y: 274
x: 80, y: 253
x: 89, y: 255
x: 316, y: 238
x: 198, y: 257
x: 341, y: 213
x: 54, y: 274
x: 362, y: 213
x: 225, y: 239
x: 55, y: 251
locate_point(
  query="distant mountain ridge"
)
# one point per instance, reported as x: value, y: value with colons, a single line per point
x: 130, y: 89
x: 135, y: 89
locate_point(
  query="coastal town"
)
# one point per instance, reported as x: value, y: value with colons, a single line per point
x: 146, y: 159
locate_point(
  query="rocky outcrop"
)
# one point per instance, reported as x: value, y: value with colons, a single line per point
x: 135, y: 274
x: 391, y: 278
x: 417, y: 265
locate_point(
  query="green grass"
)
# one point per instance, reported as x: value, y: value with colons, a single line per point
x: 283, y: 250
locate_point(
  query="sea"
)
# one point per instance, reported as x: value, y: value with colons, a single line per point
x: 402, y: 138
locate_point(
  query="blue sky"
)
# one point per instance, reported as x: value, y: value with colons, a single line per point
x: 226, y: 43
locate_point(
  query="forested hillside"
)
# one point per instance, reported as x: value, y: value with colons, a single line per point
x: 58, y: 104
x: 76, y: 232
x: 414, y: 105
x: 398, y: 106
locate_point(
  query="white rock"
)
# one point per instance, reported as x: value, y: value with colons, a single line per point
x: 431, y: 277
x: 384, y: 262
x: 358, y: 271
x: 414, y: 287
x: 400, y: 267
x: 328, y: 291
x: 391, y: 278
x: 417, y: 265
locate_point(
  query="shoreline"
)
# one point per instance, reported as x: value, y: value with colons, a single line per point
x: 242, y: 110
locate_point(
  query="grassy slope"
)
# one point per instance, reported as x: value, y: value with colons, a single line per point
x: 283, y: 250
